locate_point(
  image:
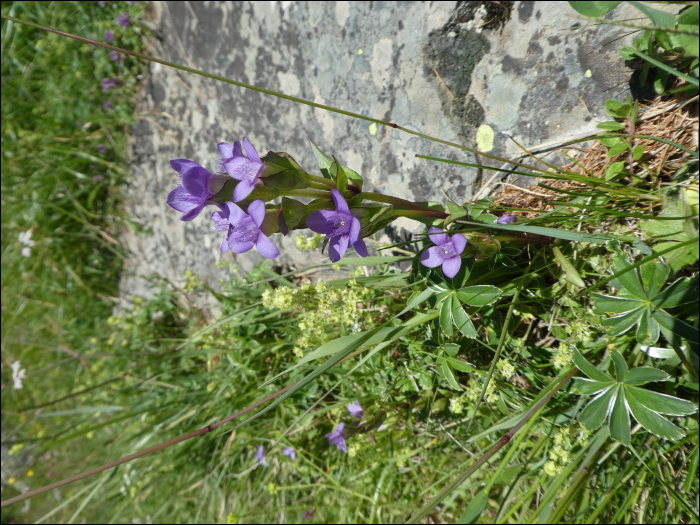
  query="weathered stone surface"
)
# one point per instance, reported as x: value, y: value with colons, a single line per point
x: 526, y: 77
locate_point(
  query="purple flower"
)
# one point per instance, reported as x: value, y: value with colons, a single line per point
x: 445, y: 253
x: 243, y: 229
x: 308, y: 514
x: 197, y: 185
x: 131, y: 2
x: 101, y: 148
x: 109, y: 36
x: 101, y: 3
x: 109, y: 83
x: 260, y: 455
x: 356, y: 409
x: 244, y: 168
x: 107, y: 105
x: 507, y: 218
x: 340, y: 227
x: 336, y: 438
x: 289, y: 451
x: 114, y: 56
x: 124, y: 20
x: 98, y: 178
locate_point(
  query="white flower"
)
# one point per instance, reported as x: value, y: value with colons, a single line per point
x: 26, y: 239
x: 18, y: 374
x: 26, y: 251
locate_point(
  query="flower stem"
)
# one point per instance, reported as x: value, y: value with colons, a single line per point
x: 386, y: 199
x: 314, y: 194
x: 321, y: 180
x: 419, y: 213
x: 318, y: 186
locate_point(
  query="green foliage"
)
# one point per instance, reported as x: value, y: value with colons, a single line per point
x: 617, y: 398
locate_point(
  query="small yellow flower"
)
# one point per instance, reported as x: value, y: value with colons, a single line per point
x: 11, y: 481
x: 30, y: 473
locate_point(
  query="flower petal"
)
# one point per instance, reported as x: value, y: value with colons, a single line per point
x: 192, y: 214
x: 266, y: 247
x: 237, y: 149
x: 180, y: 200
x: 235, y: 214
x: 438, y: 236
x: 242, y: 169
x: 242, y: 190
x: 354, y: 230
x: 322, y: 221
x: 224, y: 244
x: 256, y: 210
x: 340, y: 428
x: 360, y: 248
x: 225, y: 149
x: 431, y: 257
x: 340, y: 202
x: 451, y: 266
x: 251, y: 151
x: 459, y: 241
x: 239, y: 246
x: 337, y: 248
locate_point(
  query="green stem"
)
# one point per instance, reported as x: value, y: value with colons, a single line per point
x: 314, y: 194
x: 386, y: 199
x: 419, y: 213
x: 317, y: 186
x: 254, y: 88
x: 321, y: 180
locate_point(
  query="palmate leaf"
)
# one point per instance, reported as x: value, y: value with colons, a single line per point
x: 616, y: 399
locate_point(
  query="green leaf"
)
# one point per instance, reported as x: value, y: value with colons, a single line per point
x: 455, y: 211
x: 658, y: 18
x: 597, y: 410
x: 609, y: 140
x: 654, y: 275
x: 607, y: 304
x: 324, y: 161
x: 287, y: 180
x: 616, y: 167
x: 570, y: 272
x: 638, y: 152
x: 450, y: 349
x: 446, y: 316
x: 588, y: 387
x: 567, y: 235
x: 690, y: 16
x: 621, y: 368
x: 648, y: 329
x: 449, y: 374
x: 461, y: 321
x: 293, y: 212
x: 463, y: 274
x: 594, y: 9
x: 478, y: 503
x: 587, y: 368
x: 645, y: 374
x: 479, y: 295
x: 678, y: 258
x: 630, y: 279
x: 653, y: 422
x: 373, y: 260
x: 620, y: 419
x: 622, y: 323
x: 617, y: 109
x: 662, y: 403
x: 680, y: 292
x: 340, y: 178
x: 611, y: 125
x: 677, y: 326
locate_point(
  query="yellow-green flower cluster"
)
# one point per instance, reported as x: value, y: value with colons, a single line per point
x: 560, y: 453
x: 456, y: 405
x: 474, y: 389
x: 354, y: 449
x: 563, y: 356
x: 506, y: 369
x: 309, y: 243
x: 326, y: 310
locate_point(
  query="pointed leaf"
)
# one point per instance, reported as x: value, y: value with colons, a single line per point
x: 450, y: 349
x: 597, y: 410
x: 621, y: 367
x: 476, y: 506
x: 570, y: 272
x: 653, y: 422
x: 595, y: 8
x: 324, y: 161
x: 478, y: 295
x: 620, y: 419
x: 621, y: 323
x: 657, y: 352
x: 446, y: 316
x: 630, y: 279
x: 680, y: 292
x: 607, y: 304
x: 648, y: 329
x: 654, y: 275
x: 293, y: 212
x: 646, y: 374
x: 588, y: 386
x: 661, y: 402
x: 462, y: 321
x: 449, y: 374
x: 341, y: 179
x: 677, y: 326
x: 658, y: 18
x: 587, y: 368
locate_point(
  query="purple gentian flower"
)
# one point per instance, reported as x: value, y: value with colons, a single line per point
x: 101, y: 148
x: 243, y: 229
x: 260, y: 455
x: 98, y: 178
x: 114, y: 56
x: 124, y: 20
x: 290, y: 452
x: 356, y: 409
x: 336, y: 438
x: 107, y: 105
x: 196, y: 187
x: 507, y: 218
x: 109, y: 36
x: 340, y: 227
x: 101, y: 3
x: 445, y: 253
x: 308, y: 514
x: 109, y: 83
x: 245, y: 169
